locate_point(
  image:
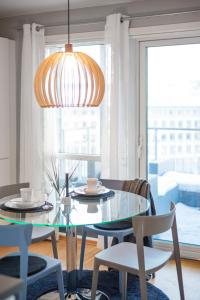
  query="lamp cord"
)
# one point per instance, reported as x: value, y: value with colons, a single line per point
x: 68, y: 22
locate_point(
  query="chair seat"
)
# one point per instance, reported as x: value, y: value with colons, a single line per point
x: 10, y: 265
x: 125, y: 254
x: 41, y: 232
x: 107, y: 232
x: 115, y: 225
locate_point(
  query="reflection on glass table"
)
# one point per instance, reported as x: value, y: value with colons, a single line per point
x: 80, y: 211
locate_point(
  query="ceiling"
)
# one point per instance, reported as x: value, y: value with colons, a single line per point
x: 10, y: 8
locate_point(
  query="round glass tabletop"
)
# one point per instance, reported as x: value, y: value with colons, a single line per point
x: 81, y: 211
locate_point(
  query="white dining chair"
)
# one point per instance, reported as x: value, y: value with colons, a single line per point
x: 138, y: 259
x: 118, y: 230
x: 39, y: 233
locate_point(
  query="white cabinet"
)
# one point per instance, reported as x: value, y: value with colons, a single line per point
x: 7, y: 112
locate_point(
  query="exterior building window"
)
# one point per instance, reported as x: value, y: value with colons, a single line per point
x: 197, y: 124
x: 188, y: 136
x: 172, y: 149
x: 163, y: 137
x: 179, y: 149
x: 172, y: 137
x: 180, y: 136
x: 197, y: 148
x: 188, y: 149
x: 197, y: 136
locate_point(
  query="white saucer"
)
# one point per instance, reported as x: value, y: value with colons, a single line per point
x: 18, y: 203
x: 83, y: 190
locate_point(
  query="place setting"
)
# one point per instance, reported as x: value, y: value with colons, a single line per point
x: 93, y: 190
x: 29, y: 200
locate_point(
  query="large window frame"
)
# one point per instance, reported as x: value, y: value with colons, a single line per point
x: 143, y: 38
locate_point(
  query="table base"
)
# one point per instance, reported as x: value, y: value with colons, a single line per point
x: 86, y: 294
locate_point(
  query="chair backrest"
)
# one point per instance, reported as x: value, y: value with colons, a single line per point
x: 151, y: 225
x: 12, y: 189
x: 16, y: 235
x: 114, y: 184
x: 137, y: 186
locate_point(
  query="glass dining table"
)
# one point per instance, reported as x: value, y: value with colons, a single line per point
x: 79, y: 210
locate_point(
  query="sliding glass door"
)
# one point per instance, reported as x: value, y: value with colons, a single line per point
x: 170, y: 126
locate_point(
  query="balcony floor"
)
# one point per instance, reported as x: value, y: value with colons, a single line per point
x: 188, y: 223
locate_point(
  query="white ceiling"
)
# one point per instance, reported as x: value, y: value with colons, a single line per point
x: 23, y: 7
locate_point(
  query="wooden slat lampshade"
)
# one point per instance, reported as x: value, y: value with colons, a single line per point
x: 69, y: 79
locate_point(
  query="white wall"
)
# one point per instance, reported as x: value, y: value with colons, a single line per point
x: 7, y: 112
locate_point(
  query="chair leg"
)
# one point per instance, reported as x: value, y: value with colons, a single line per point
x: 20, y: 296
x: 17, y: 297
x: 83, y: 242
x: 120, y: 239
x: 95, y: 279
x: 54, y: 245
x: 177, y: 258
x: 61, y: 290
x: 143, y: 287
x: 124, y: 285
x: 105, y: 242
x: 179, y: 274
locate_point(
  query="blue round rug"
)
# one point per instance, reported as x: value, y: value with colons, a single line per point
x: 108, y: 283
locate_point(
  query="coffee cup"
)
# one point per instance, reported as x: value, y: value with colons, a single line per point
x: 38, y: 195
x: 93, y: 184
x: 26, y: 194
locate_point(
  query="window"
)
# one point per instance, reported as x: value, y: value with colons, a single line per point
x: 188, y: 136
x: 180, y: 136
x: 180, y: 124
x: 179, y: 149
x: 188, y: 149
x: 163, y: 137
x: 197, y: 136
x: 197, y: 124
x: 197, y: 148
x: 78, y: 129
x: 188, y: 124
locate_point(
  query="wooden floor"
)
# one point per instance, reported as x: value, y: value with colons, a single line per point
x: 165, y: 279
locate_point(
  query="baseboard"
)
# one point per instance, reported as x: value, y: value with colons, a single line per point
x: 186, y: 251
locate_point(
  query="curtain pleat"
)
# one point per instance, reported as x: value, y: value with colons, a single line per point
x: 31, y: 118
x: 118, y: 139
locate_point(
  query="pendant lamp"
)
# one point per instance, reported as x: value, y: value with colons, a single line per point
x: 69, y: 79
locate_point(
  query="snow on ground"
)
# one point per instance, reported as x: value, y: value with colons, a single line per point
x: 188, y: 223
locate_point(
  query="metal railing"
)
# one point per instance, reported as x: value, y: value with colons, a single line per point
x: 156, y: 131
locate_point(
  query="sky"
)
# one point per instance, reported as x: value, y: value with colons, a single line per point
x: 174, y: 75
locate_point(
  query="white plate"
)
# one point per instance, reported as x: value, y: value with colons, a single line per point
x: 82, y: 190
x: 18, y: 203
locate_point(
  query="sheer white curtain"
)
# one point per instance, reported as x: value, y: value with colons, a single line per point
x: 31, y: 119
x: 118, y: 122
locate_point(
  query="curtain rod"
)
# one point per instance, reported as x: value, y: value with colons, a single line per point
x: 123, y: 18
x: 38, y: 27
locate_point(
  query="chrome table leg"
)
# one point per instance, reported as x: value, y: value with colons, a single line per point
x: 73, y: 292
